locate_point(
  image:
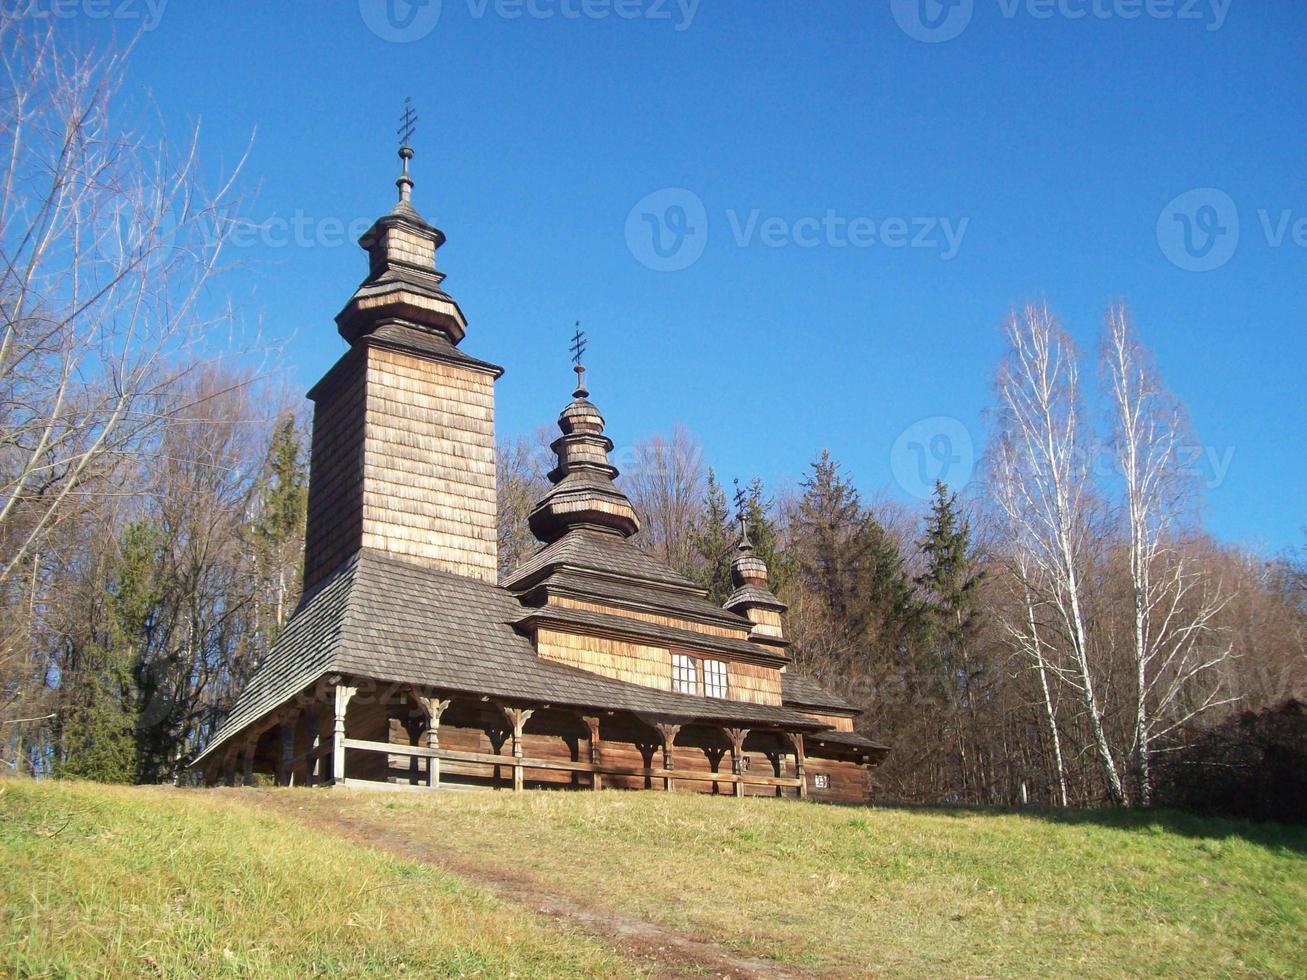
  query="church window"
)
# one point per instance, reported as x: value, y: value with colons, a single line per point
x: 714, y: 679
x: 685, y: 676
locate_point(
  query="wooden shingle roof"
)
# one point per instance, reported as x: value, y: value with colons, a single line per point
x: 392, y: 621
x: 800, y: 690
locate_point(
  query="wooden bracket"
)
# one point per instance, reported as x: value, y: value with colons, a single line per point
x: 517, y: 718
x: 737, y: 737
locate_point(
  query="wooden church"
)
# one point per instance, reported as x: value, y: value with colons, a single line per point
x: 410, y: 665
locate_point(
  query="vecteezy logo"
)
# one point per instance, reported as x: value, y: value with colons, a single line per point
x: 400, y: 20
x: 1199, y: 230
x: 667, y: 230
x: 932, y: 21
x: 937, y: 448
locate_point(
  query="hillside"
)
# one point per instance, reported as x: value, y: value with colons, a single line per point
x: 280, y: 882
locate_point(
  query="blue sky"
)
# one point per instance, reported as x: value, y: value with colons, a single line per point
x: 849, y: 196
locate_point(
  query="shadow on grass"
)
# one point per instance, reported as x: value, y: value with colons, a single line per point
x: 1275, y: 836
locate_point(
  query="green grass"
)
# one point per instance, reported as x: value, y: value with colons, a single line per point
x: 900, y: 891
x: 149, y: 882
x: 130, y: 882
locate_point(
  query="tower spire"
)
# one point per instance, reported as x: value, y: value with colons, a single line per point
x: 579, y: 344
x: 407, y: 124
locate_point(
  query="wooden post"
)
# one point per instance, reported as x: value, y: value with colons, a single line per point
x: 247, y: 760
x: 343, y: 694
x: 800, y: 763
x: 315, y: 739
x: 517, y: 717
x: 285, y: 776
x: 737, y: 737
x: 229, y: 766
x: 668, y: 735
x: 592, y: 722
x: 432, y: 708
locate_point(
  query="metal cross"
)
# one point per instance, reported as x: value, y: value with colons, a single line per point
x: 407, y: 122
x: 741, y: 498
x: 579, y: 344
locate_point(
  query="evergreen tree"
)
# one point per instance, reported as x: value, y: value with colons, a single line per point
x: 765, y: 536
x: 714, y: 542
x: 104, y: 695
x: 847, y: 559
x: 950, y: 591
x: 277, y: 529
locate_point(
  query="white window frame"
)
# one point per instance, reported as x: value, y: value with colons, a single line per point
x: 716, y: 679
x: 683, y: 664
x: 821, y: 780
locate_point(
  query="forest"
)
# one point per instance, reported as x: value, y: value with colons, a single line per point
x: 1061, y: 630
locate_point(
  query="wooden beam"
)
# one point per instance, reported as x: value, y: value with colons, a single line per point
x: 736, y: 736
x: 517, y: 718
x: 229, y: 765
x: 315, y: 737
x: 596, y: 779
x: 432, y: 708
x: 247, y: 760
x: 800, y: 763
x: 668, y: 734
x: 343, y: 695
x: 560, y: 765
x: 286, y: 760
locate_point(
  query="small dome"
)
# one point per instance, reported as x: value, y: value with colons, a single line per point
x: 583, y: 493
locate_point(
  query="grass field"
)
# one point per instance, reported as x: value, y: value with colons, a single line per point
x: 142, y: 882
x: 231, y: 881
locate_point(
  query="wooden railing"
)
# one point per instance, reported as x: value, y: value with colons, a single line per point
x: 559, y: 765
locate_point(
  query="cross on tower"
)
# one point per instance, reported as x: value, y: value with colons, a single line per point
x: 578, y: 347
x: 579, y: 344
x: 741, y: 503
x: 407, y: 122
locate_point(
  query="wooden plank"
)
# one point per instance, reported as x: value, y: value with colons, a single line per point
x: 490, y: 759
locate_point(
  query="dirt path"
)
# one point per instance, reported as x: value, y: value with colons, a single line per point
x: 652, y: 947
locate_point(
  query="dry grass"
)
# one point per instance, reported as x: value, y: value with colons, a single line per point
x: 897, y: 891
x: 108, y: 881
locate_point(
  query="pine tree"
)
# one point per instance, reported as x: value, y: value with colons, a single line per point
x: 765, y: 536
x: 952, y: 578
x: 847, y: 559
x: 714, y: 542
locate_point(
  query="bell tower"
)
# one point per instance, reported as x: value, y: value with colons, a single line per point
x: 403, y: 450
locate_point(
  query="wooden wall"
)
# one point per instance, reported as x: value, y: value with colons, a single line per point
x: 841, y: 723
x: 335, y: 508
x: 471, y: 725
x: 649, y: 665
x: 429, y: 467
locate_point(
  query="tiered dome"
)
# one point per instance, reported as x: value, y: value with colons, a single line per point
x: 403, y: 286
x: 583, y: 493
x: 752, y: 596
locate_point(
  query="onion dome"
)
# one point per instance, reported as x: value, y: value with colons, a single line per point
x: 402, y: 285
x: 583, y: 493
x: 752, y: 598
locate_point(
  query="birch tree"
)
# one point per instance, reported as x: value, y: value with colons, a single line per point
x: 1175, y: 644
x: 1040, y: 421
x: 1020, y: 621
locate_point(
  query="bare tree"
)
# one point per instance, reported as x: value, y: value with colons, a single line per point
x: 666, y: 484
x: 1050, y: 507
x: 1176, y: 648
x: 108, y: 240
x: 520, y: 473
x: 1021, y: 625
